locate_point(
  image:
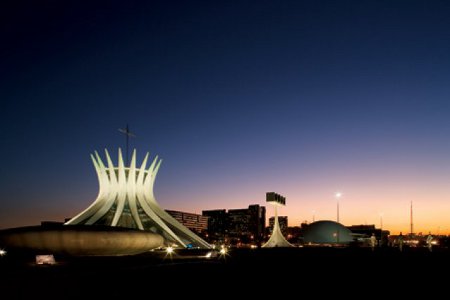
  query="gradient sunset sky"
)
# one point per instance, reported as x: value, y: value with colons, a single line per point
x: 303, y: 98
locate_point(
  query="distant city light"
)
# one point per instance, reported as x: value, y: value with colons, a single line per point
x: 169, y: 250
x: 2, y: 252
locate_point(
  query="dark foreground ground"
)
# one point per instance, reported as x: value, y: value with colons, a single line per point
x: 260, y: 273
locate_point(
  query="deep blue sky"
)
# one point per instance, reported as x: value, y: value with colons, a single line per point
x: 237, y: 97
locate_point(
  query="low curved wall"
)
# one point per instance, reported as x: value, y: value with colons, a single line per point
x: 80, y: 240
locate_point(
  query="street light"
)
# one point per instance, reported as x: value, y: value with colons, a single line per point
x: 337, y: 195
x: 170, y: 251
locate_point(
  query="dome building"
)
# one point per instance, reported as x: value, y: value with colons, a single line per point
x: 327, y: 232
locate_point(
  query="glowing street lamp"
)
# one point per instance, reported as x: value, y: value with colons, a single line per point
x: 337, y: 195
x: 2, y: 252
x: 170, y: 251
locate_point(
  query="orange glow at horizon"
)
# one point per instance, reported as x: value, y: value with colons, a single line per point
x: 364, y: 198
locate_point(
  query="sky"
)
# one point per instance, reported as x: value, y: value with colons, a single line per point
x: 239, y: 98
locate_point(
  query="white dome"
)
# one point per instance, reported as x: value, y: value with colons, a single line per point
x: 327, y: 232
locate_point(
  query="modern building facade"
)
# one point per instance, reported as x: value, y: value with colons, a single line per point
x: 217, y: 223
x: 196, y: 223
x: 245, y: 224
x: 248, y: 221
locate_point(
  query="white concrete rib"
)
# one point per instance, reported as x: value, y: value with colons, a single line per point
x: 123, y: 185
